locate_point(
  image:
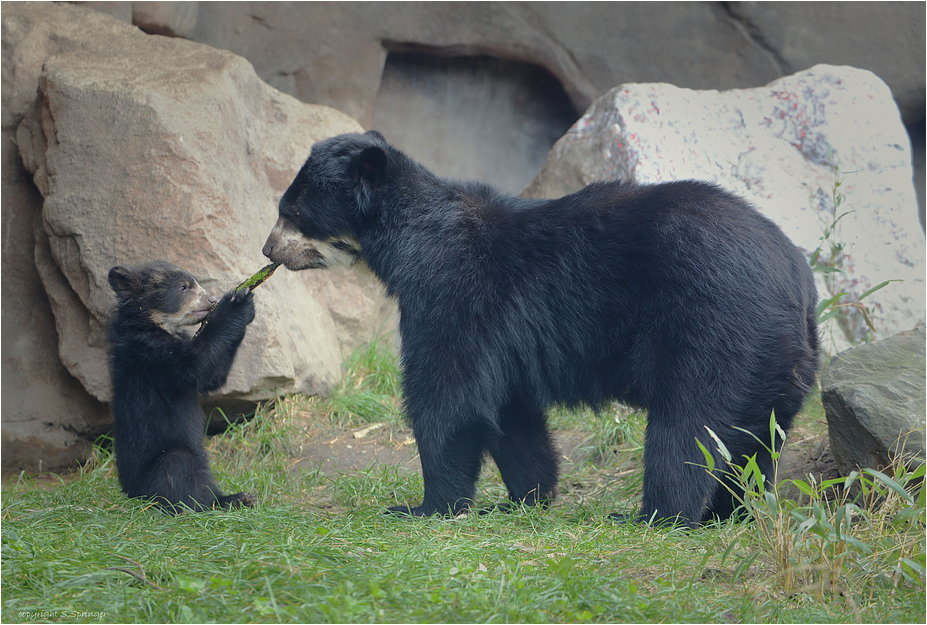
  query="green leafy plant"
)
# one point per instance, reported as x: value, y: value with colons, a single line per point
x: 827, y: 259
x: 867, y: 525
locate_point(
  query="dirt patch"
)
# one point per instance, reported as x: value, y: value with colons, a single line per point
x: 806, y: 453
x: 358, y: 449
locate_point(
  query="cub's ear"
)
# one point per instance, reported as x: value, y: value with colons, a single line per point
x: 121, y: 279
x: 376, y: 135
x: 371, y: 163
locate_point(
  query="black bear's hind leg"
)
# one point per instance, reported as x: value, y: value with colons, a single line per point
x: 677, y: 488
x: 730, y: 494
x: 724, y: 502
x: 526, y: 456
x: 450, y: 468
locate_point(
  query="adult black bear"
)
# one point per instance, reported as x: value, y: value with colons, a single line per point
x: 157, y: 375
x: 676, y: 297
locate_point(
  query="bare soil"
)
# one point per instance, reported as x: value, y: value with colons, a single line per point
x: 359, y: 448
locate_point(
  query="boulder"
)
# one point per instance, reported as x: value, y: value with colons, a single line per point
x: 588, y: 46
x: 172, y: 19
x: 785, y: 147
x: 449, y: 106
x: 888, y: 40
x: 49, y: 419
x: 146, y: 147
x: 467, y: 59
x: 874, y: 400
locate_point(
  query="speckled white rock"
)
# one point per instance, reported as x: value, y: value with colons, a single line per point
x: 783, y: 147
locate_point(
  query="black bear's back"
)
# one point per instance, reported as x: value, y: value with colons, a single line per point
x: 719, y: 295
x: 614, y: 284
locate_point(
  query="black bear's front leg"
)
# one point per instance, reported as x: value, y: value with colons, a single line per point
x: 450, y: 468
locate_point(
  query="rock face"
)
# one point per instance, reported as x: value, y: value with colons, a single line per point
x: 483, y: 118
x: 147, y: 147
x: 352, y: 55
x: 874, y: 399
x: 173, y: 19
x: 784, y: 147
x: 589, y: 47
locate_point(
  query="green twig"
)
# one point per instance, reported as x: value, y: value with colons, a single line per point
x: 250, y: 284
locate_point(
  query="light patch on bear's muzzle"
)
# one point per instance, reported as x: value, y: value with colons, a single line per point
x: 287, y: 245
x: 192, y: 311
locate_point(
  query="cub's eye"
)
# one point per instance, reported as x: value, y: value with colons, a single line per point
x: 183, y: 287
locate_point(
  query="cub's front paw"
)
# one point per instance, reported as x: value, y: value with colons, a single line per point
x: 242, y: 302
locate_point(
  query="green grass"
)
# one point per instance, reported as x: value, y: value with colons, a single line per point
x: 320, y: 549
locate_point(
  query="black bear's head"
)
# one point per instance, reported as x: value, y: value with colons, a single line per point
x: 161, y: 292
x: 326, y: 204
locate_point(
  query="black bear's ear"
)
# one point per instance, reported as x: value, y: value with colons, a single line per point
x: 121, y: 279
x: 376, y: 135
x: 371, y: 163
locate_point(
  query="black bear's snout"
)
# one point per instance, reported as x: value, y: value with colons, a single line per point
x: 273, y: 247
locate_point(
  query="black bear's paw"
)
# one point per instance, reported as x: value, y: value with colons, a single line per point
x: 423, y: 511
x: 246, y: 500
x: 636, y: 518
x: 235, y: 305
x: 508, y: 507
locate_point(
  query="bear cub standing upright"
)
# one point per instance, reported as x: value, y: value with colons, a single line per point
x: 158, y: 374
x: 679, y: 297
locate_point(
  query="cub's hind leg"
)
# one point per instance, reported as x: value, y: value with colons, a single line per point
x: 238, y: 500
x: 180, y: 479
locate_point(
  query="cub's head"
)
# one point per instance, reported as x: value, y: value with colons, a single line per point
x: 325, y: 206
x: 162, y: 292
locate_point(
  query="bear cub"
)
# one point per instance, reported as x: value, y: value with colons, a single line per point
x: 158, y: 373
x: 678, y: 297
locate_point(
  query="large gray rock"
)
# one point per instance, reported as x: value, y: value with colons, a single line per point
x: 784, y: 147
x: 49, y: 419
x: 874, y: 400
x: 459, y: 118
x: 886, y: 39
x: 588, y: 46
x: 349, y: 55
x: 147, y: 147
